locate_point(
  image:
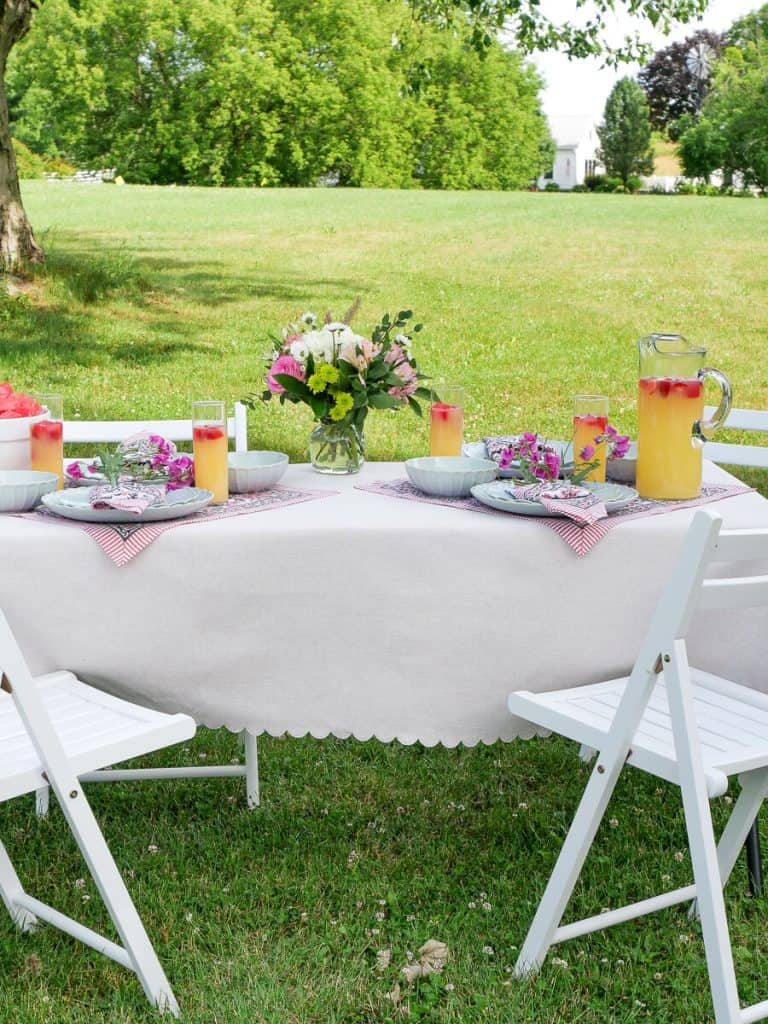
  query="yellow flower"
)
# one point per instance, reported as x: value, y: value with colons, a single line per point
x: 343, y: 404
x: 316, y: 384
x: 328, y: 373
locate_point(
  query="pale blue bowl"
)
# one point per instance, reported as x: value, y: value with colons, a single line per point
x: 255, y: 471
x: 449, y: 476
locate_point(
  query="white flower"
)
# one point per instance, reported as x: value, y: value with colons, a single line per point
x: 300, y: 350
x: 324, y: 344
x: 309, y: 319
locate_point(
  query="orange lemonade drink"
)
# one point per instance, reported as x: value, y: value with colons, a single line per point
x: 668, y: 462
x: 587, y: 427
x: 209, y: 445
x: 446, y: 429
x: 46, y: 440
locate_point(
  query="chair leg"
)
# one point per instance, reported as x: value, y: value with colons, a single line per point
x: 113, y: 892
x: 42, y: 801
x: 10, y: 889
x: 754, y: 861
x: 252, y: 793
x: 577, y: 843
x: 701, y: 841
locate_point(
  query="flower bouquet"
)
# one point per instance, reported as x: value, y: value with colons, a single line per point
x: 142, y: 458
x: 341, y: 376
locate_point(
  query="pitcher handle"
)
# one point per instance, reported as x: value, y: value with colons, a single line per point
x: 703, y: 430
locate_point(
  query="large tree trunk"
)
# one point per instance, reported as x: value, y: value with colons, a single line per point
x: 17, y: 242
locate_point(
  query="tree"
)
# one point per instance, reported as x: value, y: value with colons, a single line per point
x: 731, y: 134
x: 275, y: 93
x: 17, y: 242
x: 531, y: 28
x: 625, y: 134
x: 751, y: 29
x: 677, y: 78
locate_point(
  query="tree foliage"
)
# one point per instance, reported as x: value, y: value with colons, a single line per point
x: 672, y: 82
x: 731, y: 135
x: 625, y: 134
x: 267, y: 92
x: 533, y: 28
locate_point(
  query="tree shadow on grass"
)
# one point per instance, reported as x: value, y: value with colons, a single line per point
x: 89, y: 306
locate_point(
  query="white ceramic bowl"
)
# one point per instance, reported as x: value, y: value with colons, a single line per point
x: 22, y: 489
x: 623, y: 471
x: 448, y: 476
x: 255, y: 471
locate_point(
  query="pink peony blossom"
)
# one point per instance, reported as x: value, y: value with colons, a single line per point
x: 287, y: 365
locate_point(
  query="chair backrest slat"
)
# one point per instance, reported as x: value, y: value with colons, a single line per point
x: 742, y: 419
x: 733, y: 592
x: 741, y: 546
x: 739, y: 454
x: 114, y: 431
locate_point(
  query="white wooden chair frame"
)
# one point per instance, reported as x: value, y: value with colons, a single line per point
x: 663, y: 659
x: 739, y: 454
x: 89, y: 431
x: 136, y: 952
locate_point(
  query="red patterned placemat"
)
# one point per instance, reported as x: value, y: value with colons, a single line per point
x: 123, y: 541
x: 580, y: 539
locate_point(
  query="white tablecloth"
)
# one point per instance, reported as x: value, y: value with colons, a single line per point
x: 358, y: 614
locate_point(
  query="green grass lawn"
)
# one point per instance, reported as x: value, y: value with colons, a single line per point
x: 152, y: 297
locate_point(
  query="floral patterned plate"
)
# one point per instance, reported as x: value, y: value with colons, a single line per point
x: 495, y: 495
x: 76, y: 504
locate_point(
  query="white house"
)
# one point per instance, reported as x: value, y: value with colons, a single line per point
x: 577, y: 144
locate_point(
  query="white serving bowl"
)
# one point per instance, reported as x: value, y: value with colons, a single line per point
x: 449, y: 476
x: 22, y: 489
x: 623, y: 471
x: 255, y: 471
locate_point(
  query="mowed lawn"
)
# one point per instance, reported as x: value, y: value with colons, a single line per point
x: 152, y: 297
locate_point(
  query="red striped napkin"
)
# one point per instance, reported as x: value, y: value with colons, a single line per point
x: 573, y: 502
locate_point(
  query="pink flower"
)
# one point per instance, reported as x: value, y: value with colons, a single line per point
x: 180, y: 472
x: 402, y: 368
x: 362, y: 359
x: 620, y: 446
x: 287, y: 365
x: 75, y: 472
x: 587, y: 452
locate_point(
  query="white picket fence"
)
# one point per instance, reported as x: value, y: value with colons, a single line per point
x: 86, y: 177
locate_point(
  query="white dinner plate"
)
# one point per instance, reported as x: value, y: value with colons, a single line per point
x: 76, y: 504
x: 477, y: 450
x: 615, y: 497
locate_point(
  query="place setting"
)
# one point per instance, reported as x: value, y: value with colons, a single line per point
x: 128, y: 495
x: 583, y: 487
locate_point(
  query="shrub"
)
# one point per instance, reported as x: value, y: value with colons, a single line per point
x: 579, y: 188
x: 634, y: 183
x: 594, y: 181
x: 610, y: 185
x: 551, y: 186
x: 30, y: 165
x: 703, y: 189
x: 685, y: 188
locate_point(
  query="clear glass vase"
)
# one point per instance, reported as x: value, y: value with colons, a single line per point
x: 336, y: 448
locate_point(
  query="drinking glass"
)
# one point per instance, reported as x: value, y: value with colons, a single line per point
x: 209, y: 444
x: 590, y: 418
x: 46, y: 438
x: 446, y: 420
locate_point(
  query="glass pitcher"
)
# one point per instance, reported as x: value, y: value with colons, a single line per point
x: 671, y: 430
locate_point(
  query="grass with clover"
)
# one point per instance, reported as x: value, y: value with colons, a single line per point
x: 154, y: 296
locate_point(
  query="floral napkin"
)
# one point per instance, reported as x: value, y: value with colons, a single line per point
x: 494, y: 446
x: 127, y: 497
x: 576, y: 503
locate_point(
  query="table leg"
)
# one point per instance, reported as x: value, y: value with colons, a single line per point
x: 754, y: 861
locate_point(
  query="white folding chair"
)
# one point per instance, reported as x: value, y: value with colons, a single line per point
x: 114, y: 431
x: 56, y: 728
x: 680, y: 724
x: 740, y: 454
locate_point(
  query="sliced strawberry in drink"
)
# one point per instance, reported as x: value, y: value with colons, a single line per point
x: 442, y: 411
x: 47, y: 430
x: 693, y: 388
x: 208, y: 433
x: 664, y: 386
x: 648, y: 384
